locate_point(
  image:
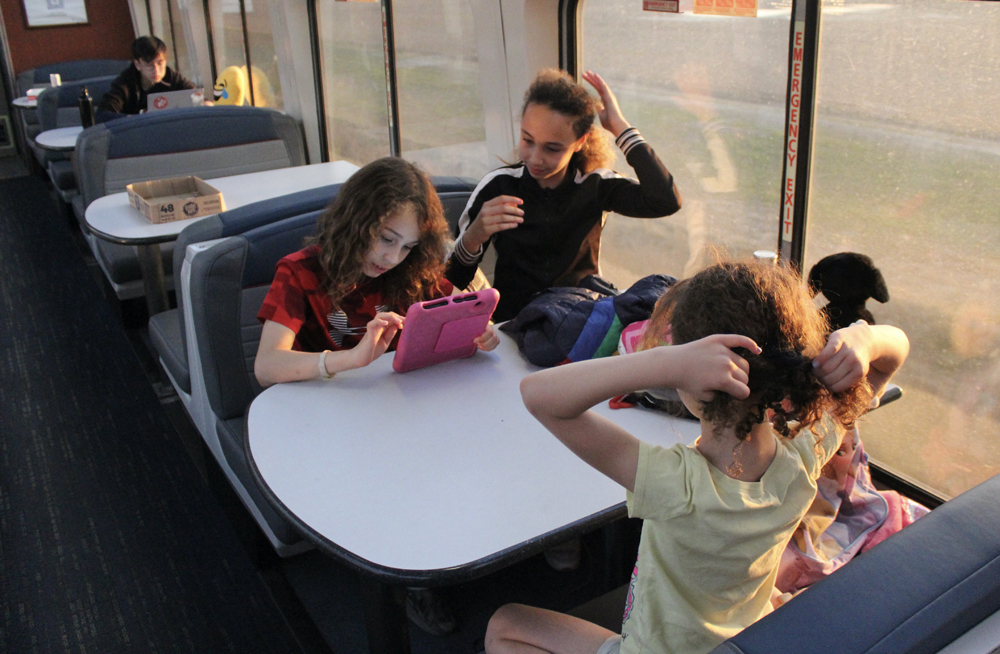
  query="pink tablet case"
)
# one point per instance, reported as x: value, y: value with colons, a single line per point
x: 441, y: 330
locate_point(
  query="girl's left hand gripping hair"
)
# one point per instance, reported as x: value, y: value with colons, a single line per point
x: 846, y: 358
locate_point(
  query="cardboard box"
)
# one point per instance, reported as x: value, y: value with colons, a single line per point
x: 177, y: 198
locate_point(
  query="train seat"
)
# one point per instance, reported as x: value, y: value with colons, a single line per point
x: 228, y: 282
x: 204, y: 141
x: 69, y: 71
x: 167, y: 330
x: 60, y: 107
x: 917, y: 591
x: 223, y: 284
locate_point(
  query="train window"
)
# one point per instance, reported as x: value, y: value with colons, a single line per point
x: 437, y: 71
x: 905, y: 163
x: 167, y: 22
x: 263, y: 60
x: 227, y: 34
x: 708, y: 93
x: 353, y: 77
x: 242, y: 29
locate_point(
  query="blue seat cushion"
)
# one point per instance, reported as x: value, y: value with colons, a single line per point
x: 915, y: 592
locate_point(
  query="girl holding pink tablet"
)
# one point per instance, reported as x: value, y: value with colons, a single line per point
x: 336, y: 305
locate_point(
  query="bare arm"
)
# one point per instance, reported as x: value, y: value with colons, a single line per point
x: 560, y: 398
x: 860, y: 351
x: 277, y: 362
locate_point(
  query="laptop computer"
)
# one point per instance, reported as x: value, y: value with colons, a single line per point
x: 175, y: 99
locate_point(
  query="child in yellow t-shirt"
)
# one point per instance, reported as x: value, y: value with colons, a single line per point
x: 750, y: 359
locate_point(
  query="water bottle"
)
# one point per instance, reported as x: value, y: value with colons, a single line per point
x: 86, y: 108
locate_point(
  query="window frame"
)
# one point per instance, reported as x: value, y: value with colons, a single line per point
x: 791, y: 249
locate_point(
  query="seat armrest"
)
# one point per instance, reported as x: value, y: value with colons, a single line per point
x: 917, y: 591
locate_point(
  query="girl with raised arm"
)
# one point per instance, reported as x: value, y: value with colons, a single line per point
x: 774, y: 398
x: 544, y: 215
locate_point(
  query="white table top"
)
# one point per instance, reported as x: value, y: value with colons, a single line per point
x: 113, y: 218
x: 61, y: 138
x: 431, y: 469
x: 24, y: 102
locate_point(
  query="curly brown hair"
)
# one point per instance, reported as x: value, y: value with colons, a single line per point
x: 559, y: 92
x: 347, y: 230
x: 771, y: 305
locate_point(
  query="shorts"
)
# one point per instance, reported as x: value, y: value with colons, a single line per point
x: 611, y: 645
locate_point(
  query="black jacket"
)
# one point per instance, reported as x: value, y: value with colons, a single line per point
x: 127, y: 97
x: 559, y: 242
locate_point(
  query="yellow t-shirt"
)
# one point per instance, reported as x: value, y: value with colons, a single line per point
x: 711, y: 544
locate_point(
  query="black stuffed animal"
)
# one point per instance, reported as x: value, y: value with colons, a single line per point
x: 847, y: 280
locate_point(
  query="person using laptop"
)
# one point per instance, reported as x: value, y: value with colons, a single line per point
x: 148, y: 74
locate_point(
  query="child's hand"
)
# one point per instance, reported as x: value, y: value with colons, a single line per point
x: 610, y: 114
x: 709, y: 365
x: 488, y: 340
x: 501, y: 213
x: 381, y: 330
x: 846, y: 358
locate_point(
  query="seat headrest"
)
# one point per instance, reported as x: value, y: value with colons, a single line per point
x: 269, y: 244
x: 194, y: 128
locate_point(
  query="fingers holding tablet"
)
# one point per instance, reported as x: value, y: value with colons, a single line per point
x: 488, y: 340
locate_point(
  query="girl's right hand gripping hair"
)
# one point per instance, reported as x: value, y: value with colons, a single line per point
x: 709, y: 365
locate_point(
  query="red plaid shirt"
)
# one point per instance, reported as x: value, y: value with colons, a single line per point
x: 296, y: 301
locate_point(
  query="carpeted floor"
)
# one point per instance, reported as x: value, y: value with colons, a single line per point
x: 110, y: 541
x: 12, y: 167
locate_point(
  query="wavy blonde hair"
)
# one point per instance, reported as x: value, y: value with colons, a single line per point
x: 559, y: 92
x: 348, y: 228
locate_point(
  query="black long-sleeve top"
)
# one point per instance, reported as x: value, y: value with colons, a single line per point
x: 559, y: 242
x: 126, y: 95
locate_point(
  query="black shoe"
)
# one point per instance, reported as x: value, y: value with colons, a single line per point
x: 428, y: 610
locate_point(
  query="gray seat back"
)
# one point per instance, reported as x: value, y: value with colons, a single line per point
x: 228, y: 285
x: 917, y: 591
x: 203, y: 141
x: 60, y: 106
x: 70, y: 71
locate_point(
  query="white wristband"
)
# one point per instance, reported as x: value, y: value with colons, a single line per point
x: 323, y: 374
